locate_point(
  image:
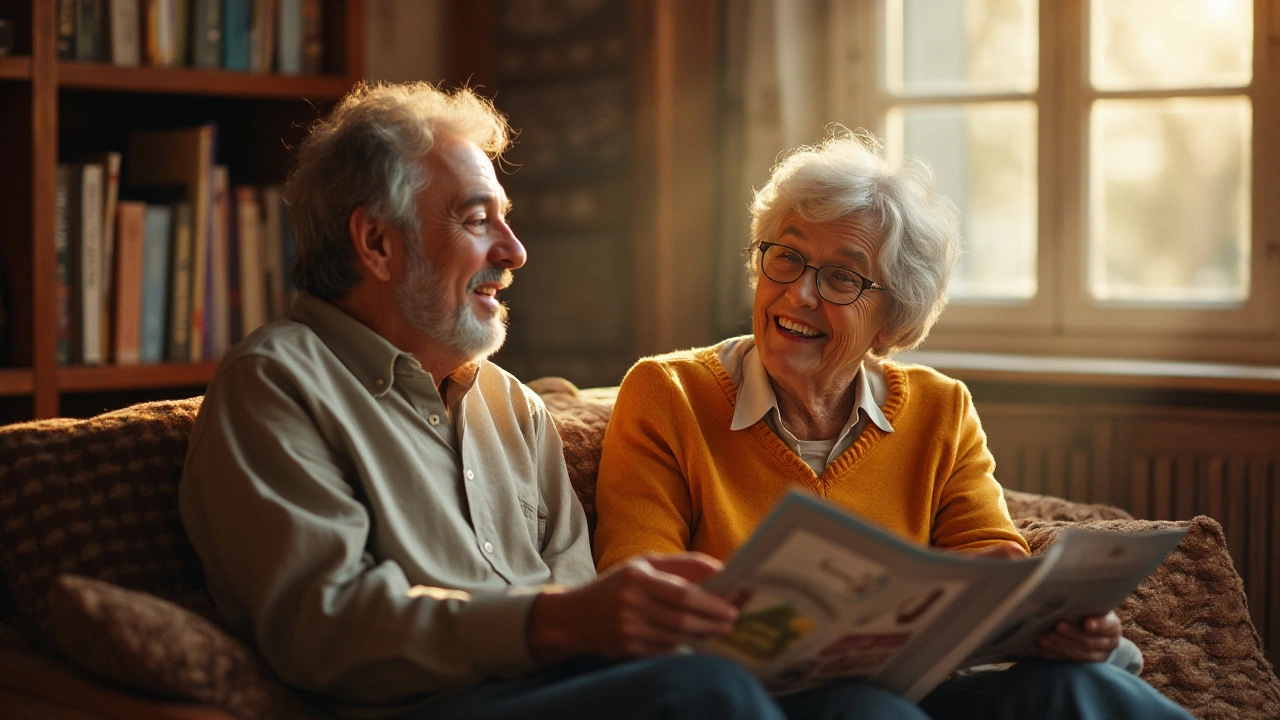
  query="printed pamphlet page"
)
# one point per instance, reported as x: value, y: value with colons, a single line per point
x: 826, y: 596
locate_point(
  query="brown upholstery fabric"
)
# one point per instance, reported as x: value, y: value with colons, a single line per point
x: 1047, y: 507
x: 1192, y: 622
x: 581, y: 418
x: 149, y: 644
x: 94, y: 497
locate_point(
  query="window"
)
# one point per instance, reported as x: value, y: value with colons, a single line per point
x: 1116, y: 164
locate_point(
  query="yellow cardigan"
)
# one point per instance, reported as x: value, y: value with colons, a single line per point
x: 674, y: 477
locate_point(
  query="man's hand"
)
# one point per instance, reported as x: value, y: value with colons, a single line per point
x: 648, y: 605
x: 1090, y: 640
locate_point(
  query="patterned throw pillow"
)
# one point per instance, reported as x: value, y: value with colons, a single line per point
x: 147, y: 643
x: 94, y: 497
x: 1191, y: 620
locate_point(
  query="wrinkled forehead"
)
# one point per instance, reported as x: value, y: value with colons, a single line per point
x: 849, y: 240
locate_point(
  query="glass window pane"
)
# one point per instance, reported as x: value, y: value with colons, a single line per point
x: 961, y: 46
x: 1150, y: 44
x: 1169, y: 196
x: 984, y: 158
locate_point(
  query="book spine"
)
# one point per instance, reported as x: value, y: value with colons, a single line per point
x: 90, y: 30
x: 110, y: 202
x: 249, y: 235
x: 288, y: 252
x: 180, y: 284
x: 289, y: 43
x: 66, y: 42
x: 180, y: 17
x: 206, y: 34
x: 90, y: 277
x: 126, y: 48
x: 201, y: 196
x: 312, y: 37
x: 62, y: 227
x: 155, y: 269
x: 237, y: 18
x: 219, y: 325
x: 130, y: 232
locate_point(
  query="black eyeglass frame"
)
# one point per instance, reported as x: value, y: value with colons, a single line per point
x: 866, y: 282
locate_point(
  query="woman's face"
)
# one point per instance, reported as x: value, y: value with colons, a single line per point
x: 803, y: 340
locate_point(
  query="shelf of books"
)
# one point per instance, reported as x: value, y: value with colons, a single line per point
x: 15, y: 68
x: 154, y: 136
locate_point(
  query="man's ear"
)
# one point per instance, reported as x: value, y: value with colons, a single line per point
x: 375, y: 242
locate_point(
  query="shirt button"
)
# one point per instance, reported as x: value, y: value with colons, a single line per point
x: 378, y: 382
x: 488, y: 547
x: 471, y: 475
x: 433, y: 419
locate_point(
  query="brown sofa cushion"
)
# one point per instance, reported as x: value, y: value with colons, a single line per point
x: 97, y: 498
x: 149, y: 644
x: 1047, y: 507
x: 1192, y: 622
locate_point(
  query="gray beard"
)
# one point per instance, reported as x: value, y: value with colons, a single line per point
x: 420, y: 296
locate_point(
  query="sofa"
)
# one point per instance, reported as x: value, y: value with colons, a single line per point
x: 104, y: 612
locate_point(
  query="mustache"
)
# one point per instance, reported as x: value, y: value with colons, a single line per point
x: 499, y: 275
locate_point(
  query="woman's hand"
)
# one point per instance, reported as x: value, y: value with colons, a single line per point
x: 1090, y: 640
x: 648, y: 605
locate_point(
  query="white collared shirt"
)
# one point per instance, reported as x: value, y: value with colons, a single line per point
x: 757, y: 400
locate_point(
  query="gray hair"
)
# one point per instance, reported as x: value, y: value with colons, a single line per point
x: 919, y: 229
x: 368, y: 152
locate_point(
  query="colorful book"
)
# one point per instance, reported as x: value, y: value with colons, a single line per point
x: 63, y: 229
x: 206, y: 34
x: 262, y: 36
x: 110, y: 162
x: 124, y: 19
x: 180, y: 263
x: 66, y: 41
x: 182, y: 158
x: 289, y: 37
x: 160, y: 32
x: 91, y: 30
x: 130, y: 234
x: 90, y: 263
x: 312, y: 37
x: 253, y: 304
x: 180, y: 16
x: 157, y: 230
x: 237, y: 19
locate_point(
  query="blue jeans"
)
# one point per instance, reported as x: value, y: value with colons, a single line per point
x: 694, y: 687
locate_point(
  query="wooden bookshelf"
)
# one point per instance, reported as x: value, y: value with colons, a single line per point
x: 55, y: 111
x: 15, y: 382
x: 15, y: 68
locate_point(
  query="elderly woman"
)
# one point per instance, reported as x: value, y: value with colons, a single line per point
x: 850, y: 261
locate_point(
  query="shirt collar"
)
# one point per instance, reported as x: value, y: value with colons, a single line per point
x: 371, y: 358
x: 756, y: 397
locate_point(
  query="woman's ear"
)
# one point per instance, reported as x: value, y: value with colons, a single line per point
x: 375, y: 242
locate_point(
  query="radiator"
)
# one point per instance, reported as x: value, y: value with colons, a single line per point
x: 1240, y: 492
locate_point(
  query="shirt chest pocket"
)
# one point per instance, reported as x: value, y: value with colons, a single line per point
x: 535, y: 522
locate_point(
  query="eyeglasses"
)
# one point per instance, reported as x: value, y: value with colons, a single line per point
x: 837, y: 285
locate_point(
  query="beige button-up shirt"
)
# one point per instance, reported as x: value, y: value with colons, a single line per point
x: 378, y: 546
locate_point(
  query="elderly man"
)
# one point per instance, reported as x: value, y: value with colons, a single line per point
x: 386, y: 515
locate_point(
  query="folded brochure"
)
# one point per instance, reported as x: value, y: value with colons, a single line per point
x: 825, y: 596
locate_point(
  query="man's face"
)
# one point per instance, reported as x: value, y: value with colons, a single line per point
x: 464, y: 255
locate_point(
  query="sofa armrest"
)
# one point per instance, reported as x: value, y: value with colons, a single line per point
x: 36, y: 687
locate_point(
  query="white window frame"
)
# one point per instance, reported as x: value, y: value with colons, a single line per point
x: 1062, y: 319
